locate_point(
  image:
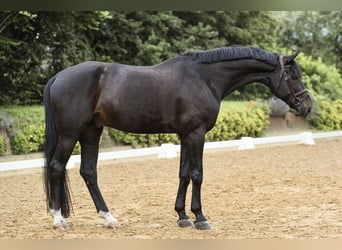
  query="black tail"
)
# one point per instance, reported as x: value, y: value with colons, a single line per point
x: 51, y: 140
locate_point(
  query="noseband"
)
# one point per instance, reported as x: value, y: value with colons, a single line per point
x: 295, y: 98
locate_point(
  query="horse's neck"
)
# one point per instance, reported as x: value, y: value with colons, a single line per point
x: 231, y: 75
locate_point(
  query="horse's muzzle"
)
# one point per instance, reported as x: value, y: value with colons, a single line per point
x: 304, y: 109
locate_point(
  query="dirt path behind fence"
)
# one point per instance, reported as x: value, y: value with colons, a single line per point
x: 288, y: 191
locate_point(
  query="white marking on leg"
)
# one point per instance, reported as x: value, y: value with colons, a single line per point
x: 110, y: 221
x: 58, y: 220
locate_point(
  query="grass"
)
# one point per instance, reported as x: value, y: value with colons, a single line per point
x: 233, y: 105
x: 20, y: 116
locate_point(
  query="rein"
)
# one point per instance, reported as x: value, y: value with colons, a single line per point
x: 296, y: 98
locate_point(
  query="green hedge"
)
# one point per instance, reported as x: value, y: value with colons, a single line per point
x: 29, y: 139
x: 328, y: 117
x: 237, y: 123
x: 25, y: 126
x: 143, y: 140
x: 3, y: 146
x: 323, y: 81
x: 232, y: 124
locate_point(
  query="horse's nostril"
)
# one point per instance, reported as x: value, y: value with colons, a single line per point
x: 309, y: 110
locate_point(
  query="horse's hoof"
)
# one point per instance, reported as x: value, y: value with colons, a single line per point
x: 112, y: 224
x: 60, y: 226
x: 110, y: 221
x: 185, y: 223
x: 203, y: 225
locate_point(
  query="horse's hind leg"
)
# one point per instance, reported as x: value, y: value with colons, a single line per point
x: 89, y: 154
x: 59, y: 200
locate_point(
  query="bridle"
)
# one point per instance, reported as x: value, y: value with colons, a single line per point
x: 295, y: 98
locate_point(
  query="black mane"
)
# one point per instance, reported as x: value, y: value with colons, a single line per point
x: 233, y: 53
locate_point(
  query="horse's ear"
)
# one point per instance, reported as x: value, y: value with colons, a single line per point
x: 290, y: 58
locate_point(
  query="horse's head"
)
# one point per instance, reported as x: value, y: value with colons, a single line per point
x: 289, y: 86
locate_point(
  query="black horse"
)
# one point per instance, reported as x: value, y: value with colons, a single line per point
x: 181, y: 95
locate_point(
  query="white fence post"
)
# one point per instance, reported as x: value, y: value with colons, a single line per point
x: 246, y: 143
x: 307, y: 138
x: 167, y: 150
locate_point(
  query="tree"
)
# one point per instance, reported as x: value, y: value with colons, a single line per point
x: 318, y: 34
x: 236, y: 27
x: 36, y: 45
x: 20, y: 58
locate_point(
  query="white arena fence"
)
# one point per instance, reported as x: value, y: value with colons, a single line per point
x: 170, y: 151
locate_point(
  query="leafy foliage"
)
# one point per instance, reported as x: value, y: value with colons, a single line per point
x: 238, y: 123
x: 329, y: 116
x: 3, y: 146
x: 316, y: 33
x: 230, y: 124
x: 323, y: 81
x: 20, y: 59
x: 36, y: 45
x: 143, y: 140
x: 25, y: 127
x: 28, y: 128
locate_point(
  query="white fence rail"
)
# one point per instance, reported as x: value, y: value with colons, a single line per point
x: 170, y: 150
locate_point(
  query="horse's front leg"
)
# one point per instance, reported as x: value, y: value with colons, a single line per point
x: 194, y: 144
x: 184, y: 180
